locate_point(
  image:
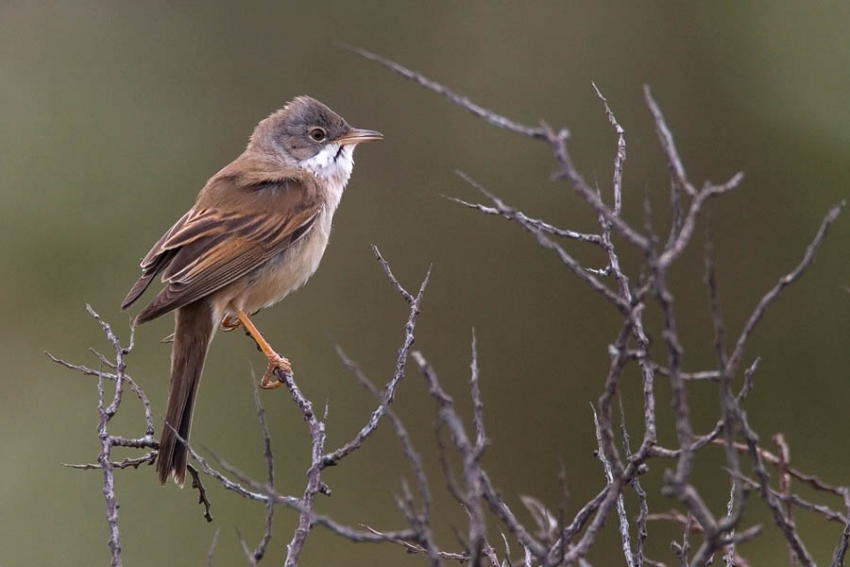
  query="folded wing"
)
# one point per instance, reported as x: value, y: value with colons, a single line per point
x: 213, y: 245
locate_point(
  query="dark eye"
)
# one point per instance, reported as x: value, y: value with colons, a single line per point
x: 318, y: 134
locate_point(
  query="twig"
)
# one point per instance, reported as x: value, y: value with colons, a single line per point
x: 784, y: 281
x: 487, y: 115
x: 420, y: 518
x: 213, y: 544
x: 259, y: 552
x: 537, y: 223
x: 105, y: 415
x: 401, y: 363
x: 546, y: 242
x: 625, y: 539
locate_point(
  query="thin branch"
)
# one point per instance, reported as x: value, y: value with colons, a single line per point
x: 537, y: 223
x: 784, y: 281
x: 213, y: 544
x: 841, y: 549
x: 667, y: 144
x: 420, y: 518
x: 544, y: 241
x: 401, y: 363
x: 259, y: 552
x: 625, y: 538
x: 487, y: 115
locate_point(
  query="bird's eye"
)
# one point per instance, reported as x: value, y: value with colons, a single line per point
x: 318, y: 134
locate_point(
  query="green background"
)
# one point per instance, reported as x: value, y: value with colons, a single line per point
x: 113, y: 114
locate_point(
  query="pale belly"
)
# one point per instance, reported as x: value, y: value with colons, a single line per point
x: 282, y: 275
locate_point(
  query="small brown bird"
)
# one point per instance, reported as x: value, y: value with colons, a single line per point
x: 257, y: 232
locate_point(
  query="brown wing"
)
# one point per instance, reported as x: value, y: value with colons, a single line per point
x: 153, y: 263
x: 222, y: 239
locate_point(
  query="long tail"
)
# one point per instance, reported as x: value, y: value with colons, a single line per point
x: 193, y: 332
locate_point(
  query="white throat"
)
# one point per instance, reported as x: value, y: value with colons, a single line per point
x: 333, y: 164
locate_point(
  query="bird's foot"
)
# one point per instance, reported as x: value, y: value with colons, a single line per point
x: 230, y: 323
x: 270, y: 381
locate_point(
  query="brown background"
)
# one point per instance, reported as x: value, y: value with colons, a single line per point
x: 113, y: 114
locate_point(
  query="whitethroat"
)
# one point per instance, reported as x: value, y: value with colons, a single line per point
x: 257, y: 232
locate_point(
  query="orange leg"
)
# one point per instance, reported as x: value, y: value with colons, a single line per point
x: 276, y: 362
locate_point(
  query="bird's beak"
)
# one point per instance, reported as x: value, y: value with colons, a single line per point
x: 358, y: 135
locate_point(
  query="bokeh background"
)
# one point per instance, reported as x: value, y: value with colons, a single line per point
x: 113, y: 114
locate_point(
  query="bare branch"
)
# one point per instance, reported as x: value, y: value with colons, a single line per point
x: 784, y: 281
x: 213, y: 544
x: 625, y: 538
x: 544, y: 241
x: 667, y: 144
x: 259, y: 552
x: 537, y: 223
x: 401, y: 363
x: 487, y: 115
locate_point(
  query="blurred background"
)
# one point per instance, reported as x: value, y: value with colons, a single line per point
x: 114, y: 114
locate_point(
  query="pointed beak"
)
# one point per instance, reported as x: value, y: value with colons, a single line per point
x: 358, y: 135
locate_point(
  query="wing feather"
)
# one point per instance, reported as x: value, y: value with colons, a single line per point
x: 209, y: 247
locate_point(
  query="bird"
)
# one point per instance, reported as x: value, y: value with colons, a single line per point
x: 256, y: 233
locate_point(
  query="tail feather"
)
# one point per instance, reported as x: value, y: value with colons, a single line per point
x: 192, y: 335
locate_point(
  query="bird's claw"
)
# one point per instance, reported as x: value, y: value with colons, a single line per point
x: 270, y: 380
